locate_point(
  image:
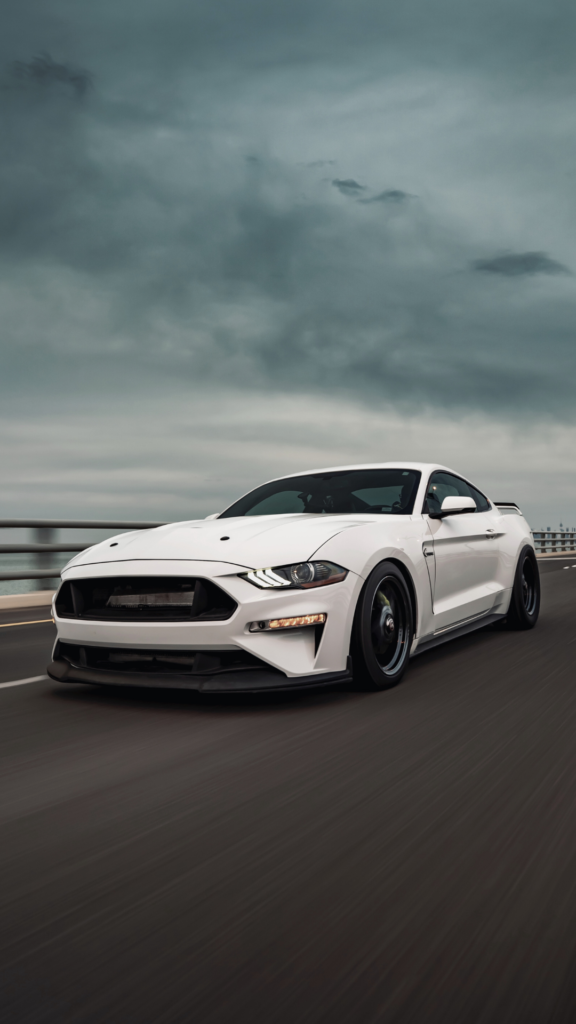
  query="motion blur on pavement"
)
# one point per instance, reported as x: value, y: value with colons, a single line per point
x: 401, y: 856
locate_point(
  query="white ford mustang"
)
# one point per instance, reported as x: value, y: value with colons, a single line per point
x: 334, y: 576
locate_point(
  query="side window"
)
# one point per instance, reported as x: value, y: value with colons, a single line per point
x: 444, y: 485
x: 482, y: 503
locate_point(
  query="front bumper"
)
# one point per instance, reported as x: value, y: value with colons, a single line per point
x: 287, y: 660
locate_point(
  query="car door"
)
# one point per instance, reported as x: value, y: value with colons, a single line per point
x: 462, y: 553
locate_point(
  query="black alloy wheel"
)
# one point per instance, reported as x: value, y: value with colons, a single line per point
x: 525, y: 601
x: 383, y: 629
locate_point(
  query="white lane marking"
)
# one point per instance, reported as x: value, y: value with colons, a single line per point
x: 22, y: 682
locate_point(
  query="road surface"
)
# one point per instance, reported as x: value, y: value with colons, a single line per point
x: 406, y: 857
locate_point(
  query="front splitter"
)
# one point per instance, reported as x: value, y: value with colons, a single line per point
x: 248, y: 681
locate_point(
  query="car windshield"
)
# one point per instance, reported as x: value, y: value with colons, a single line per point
x: 384, y: 491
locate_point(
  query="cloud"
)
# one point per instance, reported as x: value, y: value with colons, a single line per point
x: 181, y: 312
x: 43, y: 71
x: 391, y: 195
x: 521, y: 264
x: 172, y: 226
x: 348, y: 187
x: 188, y: 453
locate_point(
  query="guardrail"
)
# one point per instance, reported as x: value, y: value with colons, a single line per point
x: 545, y: 542
x: 552, y: 542
x: 45, y: 545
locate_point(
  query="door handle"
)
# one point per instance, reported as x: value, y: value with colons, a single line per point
x: 427, y: 553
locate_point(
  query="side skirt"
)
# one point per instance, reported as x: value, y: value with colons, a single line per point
x: 427, y: 643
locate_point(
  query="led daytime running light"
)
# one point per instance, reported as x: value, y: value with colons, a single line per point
x: 267, y: 578
x: 292, y: 622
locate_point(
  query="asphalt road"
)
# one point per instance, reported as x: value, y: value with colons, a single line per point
x: 400, y: 857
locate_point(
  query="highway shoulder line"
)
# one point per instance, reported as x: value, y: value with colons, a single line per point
x: 22, y: 682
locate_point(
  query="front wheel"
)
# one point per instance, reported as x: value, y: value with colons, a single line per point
x: 382, y: 632
x: 525, y: 601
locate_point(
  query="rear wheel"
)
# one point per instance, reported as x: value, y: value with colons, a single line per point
x: 525, y: 602
x: 382, y: 633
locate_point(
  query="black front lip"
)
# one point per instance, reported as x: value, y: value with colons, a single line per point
x: 243, y: 681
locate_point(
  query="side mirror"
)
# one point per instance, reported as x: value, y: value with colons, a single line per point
x: 454, y: 506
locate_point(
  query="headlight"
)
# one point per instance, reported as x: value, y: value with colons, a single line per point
x: 301, y: 575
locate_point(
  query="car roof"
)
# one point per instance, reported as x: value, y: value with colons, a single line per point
x: 422, y: 467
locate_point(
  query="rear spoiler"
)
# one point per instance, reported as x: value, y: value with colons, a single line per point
x: 508, y: 506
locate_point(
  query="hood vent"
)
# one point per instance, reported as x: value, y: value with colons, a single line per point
x: 143, y: 599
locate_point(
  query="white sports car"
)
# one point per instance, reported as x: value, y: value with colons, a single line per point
x: 334, y: 576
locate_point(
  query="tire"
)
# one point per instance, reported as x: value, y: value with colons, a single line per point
x: 525, y: 601
x: 383, y: 630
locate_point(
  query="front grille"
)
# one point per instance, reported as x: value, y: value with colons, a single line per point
x: 159, y: 662
x: 143, y: 599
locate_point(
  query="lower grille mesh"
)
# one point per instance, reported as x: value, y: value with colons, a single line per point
x: 159, y: 662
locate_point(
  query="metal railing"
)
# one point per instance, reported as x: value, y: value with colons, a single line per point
x: 45, y: 545
x: 552, y: 542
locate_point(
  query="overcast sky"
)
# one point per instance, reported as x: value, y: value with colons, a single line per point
x: 243, y: 238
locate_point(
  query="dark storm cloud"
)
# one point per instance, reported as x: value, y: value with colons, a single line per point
x: 521, y: 264
x: 138, y: 241
x: 348, y: 187
x: 391, y: 195
x: 43, y: 71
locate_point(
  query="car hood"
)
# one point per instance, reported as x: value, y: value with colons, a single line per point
x: 255, y: 542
